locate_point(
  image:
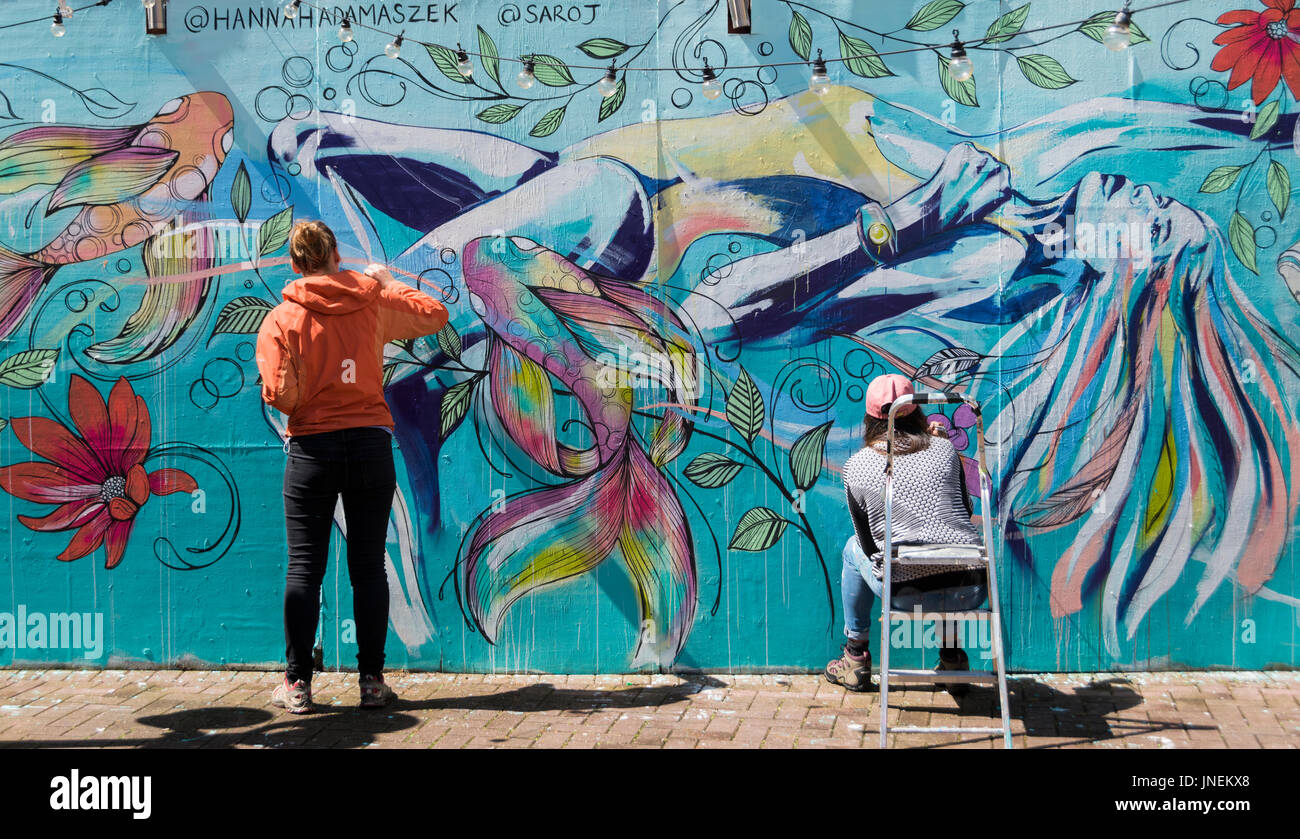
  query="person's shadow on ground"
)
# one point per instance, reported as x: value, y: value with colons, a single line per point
x: 350, y: 727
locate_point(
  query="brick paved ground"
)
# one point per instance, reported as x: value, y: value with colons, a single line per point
x: 205, y: 709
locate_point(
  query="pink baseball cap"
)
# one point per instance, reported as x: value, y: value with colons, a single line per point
x: 884, y: 390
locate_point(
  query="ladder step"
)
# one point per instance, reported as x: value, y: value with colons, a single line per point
x: 940, y: 554
x: 928, y: 559
x: 967, y: 615
x: 983, y: 677
x: 944, y: 729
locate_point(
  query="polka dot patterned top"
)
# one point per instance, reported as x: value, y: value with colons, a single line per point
x: 931, y: 504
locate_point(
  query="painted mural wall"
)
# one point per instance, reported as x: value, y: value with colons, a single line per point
x: 625, y: 453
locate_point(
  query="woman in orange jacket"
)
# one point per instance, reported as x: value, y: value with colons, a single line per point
x: 320, y: 354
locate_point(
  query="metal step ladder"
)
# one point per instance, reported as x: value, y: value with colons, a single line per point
x: 959, y: 556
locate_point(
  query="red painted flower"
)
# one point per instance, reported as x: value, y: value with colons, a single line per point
x: 1264, y: 46
x: 98, y: 478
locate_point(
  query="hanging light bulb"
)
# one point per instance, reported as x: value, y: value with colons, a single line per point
x: 463, y: 65
x: 291, y: 9
x: 1119, y: 34
x: 526, y: 77
x: 609, y: 83
x: 345, y: 31
x: 394, y: 49
x: 959, y: 65
x: 65, y: 9
x: 57, y: 28
x: 712, y: 87
x: 820, y: 81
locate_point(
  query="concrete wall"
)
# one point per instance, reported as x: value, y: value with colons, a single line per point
x: 666, y: 309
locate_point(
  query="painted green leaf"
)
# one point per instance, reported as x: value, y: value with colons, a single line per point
x: 455, y: 404
x: 551, y: 71
x: 758, y: 530
x: 28, y: 369
x: 488, y: 55
x: 934, y: 14
x: 389, y: 370
x: 745, y: 409
x: 1044, y: 71
x: 549, y: 123
x: 445, y: 60
x: 499, y: 113
x: 1279, y: 187
x: 274, y: 232
x: 800, y: 35
x: 711, y: 470
x: 1006, y: 27
x: 1221, y: 178
x: 861, y: 59
x: 806, y: 456
x: 4, y: 423
x: 602, y: 48
x: 610, y: 104
x: 1264, y: 120
x: 1095, y: 28
x: 241, y: 193
x: 1242, y: 238
x: 449, y: 342
x: 242, y: 316
x: 963, y: 93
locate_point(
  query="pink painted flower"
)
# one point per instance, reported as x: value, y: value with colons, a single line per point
x: 1261, y: 46
x: 963, y: 419
x: 96, y: 475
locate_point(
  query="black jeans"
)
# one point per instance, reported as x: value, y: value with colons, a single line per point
x: 356, y: 463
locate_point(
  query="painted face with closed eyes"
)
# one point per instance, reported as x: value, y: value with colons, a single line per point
x: 1116, y: 220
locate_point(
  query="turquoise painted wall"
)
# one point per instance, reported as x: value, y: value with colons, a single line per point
x: 665, y: 309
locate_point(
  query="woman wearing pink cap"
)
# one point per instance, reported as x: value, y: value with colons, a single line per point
x: 931, y: 506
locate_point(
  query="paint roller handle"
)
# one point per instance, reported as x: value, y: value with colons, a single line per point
x: 941, y: 398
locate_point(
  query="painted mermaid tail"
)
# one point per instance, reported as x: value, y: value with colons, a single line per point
x: 21, y: 279
x: 550, y: 319
x: 115, y: 188
x: 184, y: 246
x: 549, y: 535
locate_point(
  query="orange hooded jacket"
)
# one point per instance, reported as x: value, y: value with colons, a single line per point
x: 321, y: 351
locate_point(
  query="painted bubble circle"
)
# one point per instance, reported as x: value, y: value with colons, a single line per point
x: 681, y: 98
x: 297, y: 71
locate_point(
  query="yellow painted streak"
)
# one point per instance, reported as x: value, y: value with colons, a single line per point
x: 1160, y: 498
x: 826, y: 137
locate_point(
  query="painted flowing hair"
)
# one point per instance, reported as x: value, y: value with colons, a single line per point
x: 1152, y: 424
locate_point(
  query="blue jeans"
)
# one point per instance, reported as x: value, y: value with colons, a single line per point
x: 859, y: 589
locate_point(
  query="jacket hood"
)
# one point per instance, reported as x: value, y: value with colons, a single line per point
x: 333, y: 294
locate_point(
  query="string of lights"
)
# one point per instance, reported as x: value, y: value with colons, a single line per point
x: 1117, y: 37
x: 63, y: 12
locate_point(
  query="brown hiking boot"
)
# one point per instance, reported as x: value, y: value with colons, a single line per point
x: 850, y: 671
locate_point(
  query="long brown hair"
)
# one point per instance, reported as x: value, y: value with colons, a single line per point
x: 911, y: 432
